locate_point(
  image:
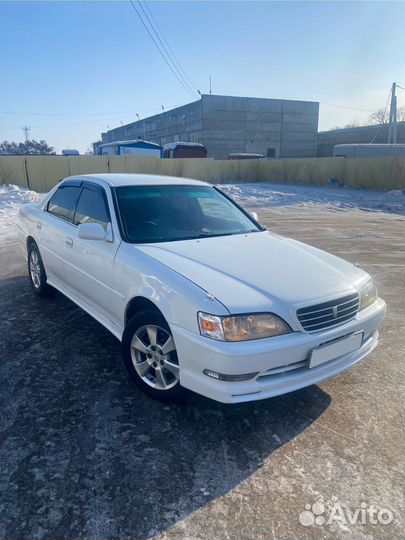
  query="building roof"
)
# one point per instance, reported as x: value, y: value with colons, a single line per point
x: 357, y: 128
x: 244, y: 154
x: 131, y: 142
x: 173, y: 145
x: 371, y: 145
x: 140, y: 179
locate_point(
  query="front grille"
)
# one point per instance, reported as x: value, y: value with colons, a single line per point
x: 328, y: 314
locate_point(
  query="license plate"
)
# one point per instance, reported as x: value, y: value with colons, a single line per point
x: 333, y: 350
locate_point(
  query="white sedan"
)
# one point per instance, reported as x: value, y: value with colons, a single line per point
x: 199, y: 293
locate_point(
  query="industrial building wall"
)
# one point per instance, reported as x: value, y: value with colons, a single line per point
x: 365, y: 134
x: 180, y: 124
x: 228, y: 124
x: 239, y: 124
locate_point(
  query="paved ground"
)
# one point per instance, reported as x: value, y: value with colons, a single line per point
x: 84, y: 455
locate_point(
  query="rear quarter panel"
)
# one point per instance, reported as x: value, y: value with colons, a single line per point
x: 26, y: 225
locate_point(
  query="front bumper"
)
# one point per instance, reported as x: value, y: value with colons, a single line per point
x: 281, y: 362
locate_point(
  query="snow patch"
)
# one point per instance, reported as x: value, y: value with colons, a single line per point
x: 11, y: 199
x: 332, y: 197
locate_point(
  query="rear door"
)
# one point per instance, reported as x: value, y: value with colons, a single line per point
x: 89, y: 263
x: 55, y: 226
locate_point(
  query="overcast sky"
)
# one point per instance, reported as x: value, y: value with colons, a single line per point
x: 71, y: 69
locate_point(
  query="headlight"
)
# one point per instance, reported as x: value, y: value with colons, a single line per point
x: 368, y: 295
x: 242, y: 327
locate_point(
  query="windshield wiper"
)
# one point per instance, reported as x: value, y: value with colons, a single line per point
x: 194, y: 237
x: 205, y: 235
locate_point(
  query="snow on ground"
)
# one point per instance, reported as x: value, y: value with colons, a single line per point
x: 330, y: 197
x: 257, y: 195
x: 11, y: 198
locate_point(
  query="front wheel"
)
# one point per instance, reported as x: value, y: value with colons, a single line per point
x: 150, y: 356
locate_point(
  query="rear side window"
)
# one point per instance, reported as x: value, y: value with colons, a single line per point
x: 91, y: 208
x: 63, y: 202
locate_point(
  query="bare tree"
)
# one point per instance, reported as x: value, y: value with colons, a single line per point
x: 382, y: 116
x: 379, y: 117
x: 352, y: 124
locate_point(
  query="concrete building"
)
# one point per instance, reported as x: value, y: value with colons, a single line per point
x: 225, y: 124
x: 376, y: 134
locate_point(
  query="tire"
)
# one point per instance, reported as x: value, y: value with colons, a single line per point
x: 36, y: 272
x: 150, y: 356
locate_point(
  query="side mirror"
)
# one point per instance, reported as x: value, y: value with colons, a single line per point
x: 91, y: 231
x: 254, y: 216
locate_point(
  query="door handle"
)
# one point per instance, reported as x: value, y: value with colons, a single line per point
x: 69, y: 242
x: 39, y: 226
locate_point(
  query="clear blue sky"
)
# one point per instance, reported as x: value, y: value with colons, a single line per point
x: 70, y: 59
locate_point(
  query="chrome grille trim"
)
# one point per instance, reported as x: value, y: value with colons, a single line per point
x: 322, y: 316
x: 318, y: 310
x: 353, y: 306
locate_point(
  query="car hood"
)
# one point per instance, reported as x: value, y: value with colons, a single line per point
x: 248, y: 272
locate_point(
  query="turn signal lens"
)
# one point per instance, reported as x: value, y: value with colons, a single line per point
x: 368, y: 296
x: 242, y: 327
x: 210, y: 326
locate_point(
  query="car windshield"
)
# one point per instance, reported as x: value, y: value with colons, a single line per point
x: 168, y: 213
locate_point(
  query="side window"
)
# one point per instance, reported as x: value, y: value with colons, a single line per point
x: 91, y: 208
x: 63, y: 202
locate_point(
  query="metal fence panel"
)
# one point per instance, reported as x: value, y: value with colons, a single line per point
x: 12, y: 169
x: 41, y: 173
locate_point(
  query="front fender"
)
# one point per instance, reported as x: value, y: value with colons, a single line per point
x: 179, y: 299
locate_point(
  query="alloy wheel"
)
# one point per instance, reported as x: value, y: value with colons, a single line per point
x: 154, y: 357
x: 35, y: 269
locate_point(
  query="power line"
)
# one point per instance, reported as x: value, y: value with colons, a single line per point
x: 347, y: 108
x: 168, y: 46
x: 12, y: 113
x: 160, y: 51
x: 169, y: 56
x: 102, y: 120
x: 59, y: 125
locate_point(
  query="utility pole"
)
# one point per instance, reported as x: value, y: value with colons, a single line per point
x: 210, y: 84
x: 392, y: 125
x: 26, y: 130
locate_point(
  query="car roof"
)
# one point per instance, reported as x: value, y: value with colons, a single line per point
x: 173, y: 145
x: 138, y: 179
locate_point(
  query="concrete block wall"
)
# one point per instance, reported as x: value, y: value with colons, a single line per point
x: 238, y: 124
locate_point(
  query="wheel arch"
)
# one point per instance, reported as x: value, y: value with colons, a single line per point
x: 137, y: 304
x: 30, y: 240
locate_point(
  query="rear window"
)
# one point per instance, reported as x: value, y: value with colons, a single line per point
x: 190, y: 152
